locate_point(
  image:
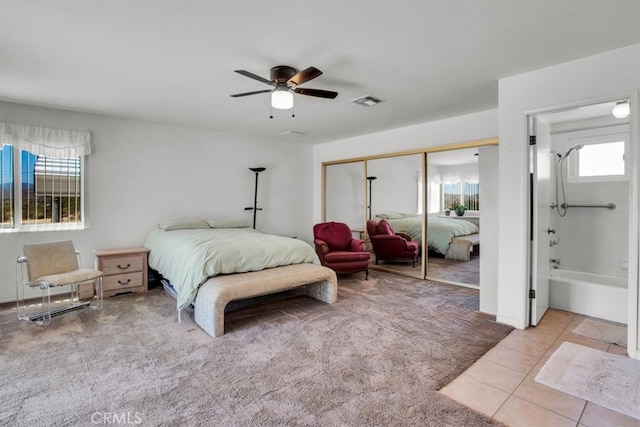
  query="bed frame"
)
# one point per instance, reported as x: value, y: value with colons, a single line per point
x: 213, y: 296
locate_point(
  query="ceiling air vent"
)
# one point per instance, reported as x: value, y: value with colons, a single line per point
x: 367, y: 101
x: 293, y: 132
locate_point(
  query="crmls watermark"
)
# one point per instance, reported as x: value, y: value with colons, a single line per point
x: 116, y: 418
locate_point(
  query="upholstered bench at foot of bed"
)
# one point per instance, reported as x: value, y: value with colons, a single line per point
x: 214, y: 295
x: 461, y: 247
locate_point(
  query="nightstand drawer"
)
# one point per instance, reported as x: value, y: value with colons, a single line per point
x: 125, y: 270
x: 122, y: 281
x: 122, y: 264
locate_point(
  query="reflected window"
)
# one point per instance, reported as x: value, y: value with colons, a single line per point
x: 461, y: 191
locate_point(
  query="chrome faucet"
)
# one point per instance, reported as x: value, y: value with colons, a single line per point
x: 554, y: 242
x: 555, y: 262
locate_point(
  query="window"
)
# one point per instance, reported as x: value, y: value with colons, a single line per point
x: 41, y: 178
x: 6, y: 187
x: 462, y: 191
x: 600, y: 158
x: 49, y: 191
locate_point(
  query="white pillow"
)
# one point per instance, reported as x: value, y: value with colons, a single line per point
x: 228, y: 223
x: 389, y: 215
x: 183, y: 225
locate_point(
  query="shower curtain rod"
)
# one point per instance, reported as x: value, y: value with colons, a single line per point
x: 610, y: 206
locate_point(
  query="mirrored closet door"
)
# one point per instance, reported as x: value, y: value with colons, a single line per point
x: 344, y: 194
x: 395, y: 194
x: 453, y: 216
x: 416, y: 193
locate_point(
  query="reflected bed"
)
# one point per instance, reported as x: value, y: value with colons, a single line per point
x: 441, y: 232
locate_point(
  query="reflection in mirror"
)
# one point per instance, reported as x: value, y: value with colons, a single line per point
x: 344, y: 194
x: 395, y: 195
x: 453, y: 216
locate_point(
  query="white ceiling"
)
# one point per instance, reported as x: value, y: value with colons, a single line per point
x: 173, y: 61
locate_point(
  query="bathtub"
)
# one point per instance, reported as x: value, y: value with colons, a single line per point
x: 595, y: 295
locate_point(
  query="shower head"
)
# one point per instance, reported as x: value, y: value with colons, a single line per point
x: 574, y: 148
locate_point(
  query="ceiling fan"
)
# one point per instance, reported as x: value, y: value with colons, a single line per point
x: 285, y: 81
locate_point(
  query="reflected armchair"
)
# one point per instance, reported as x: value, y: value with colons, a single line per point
x: 338, y: 250
x: 389, y: 245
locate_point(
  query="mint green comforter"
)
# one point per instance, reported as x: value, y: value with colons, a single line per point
x: 440, y: 231
x: 188, y: 257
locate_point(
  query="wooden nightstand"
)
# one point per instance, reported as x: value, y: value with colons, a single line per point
x: 125, y: 270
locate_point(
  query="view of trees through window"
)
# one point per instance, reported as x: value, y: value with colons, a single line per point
x: 6, y: 186
x: 49, y: 189
x: 461, y: 192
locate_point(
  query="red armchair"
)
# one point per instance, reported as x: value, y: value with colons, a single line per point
x: 338, y: 250
x: 389, y: 245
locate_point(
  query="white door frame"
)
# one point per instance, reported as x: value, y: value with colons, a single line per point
x: 633, y: 318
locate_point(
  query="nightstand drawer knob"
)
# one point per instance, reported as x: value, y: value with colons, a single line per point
x: 124, y: 282
x: 124, y: 267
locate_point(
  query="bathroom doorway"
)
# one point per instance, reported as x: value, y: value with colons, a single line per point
x: 580, y: 192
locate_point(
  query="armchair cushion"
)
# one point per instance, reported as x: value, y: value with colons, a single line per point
x: 346, y: 256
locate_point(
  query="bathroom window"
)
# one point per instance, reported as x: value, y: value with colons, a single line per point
x: 601, y: 158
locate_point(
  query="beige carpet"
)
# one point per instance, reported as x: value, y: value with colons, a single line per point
x: 377, y: 357
x: 602, y: 331
x: 603, y: 378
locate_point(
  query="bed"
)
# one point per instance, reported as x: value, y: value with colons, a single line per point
x: 194, y: 253
x: 441, y: 232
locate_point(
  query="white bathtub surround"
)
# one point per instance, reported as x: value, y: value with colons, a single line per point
x: 604, y: 297
x: 594, y: 240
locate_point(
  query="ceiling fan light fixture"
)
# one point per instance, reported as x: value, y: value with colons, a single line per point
x: 621, y: 110
x: 282, y: 98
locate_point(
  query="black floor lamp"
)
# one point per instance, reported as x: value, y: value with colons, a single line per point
x: 370, y: 178
x: 255, y: 207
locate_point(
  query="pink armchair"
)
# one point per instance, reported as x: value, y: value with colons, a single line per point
x: 389, y: 245
x: 338, y: 250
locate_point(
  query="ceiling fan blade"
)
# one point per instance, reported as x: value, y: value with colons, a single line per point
x: 316, y: 92
x: 255, y: 92
x: 305, y: 76
x: 253, y: 76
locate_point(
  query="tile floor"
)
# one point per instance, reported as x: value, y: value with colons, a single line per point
x: 501, y: 384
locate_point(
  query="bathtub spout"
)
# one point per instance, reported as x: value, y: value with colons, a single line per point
x: 555, y: 262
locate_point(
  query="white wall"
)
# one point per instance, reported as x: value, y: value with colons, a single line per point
x: 396, y: 186
x: 489, y: 212
x: 143, y: 173
x: 443, y: 132
x: 345, y: 193
x: 594, y: 240
x: 609, y: 74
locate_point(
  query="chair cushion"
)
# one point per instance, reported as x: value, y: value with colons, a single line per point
x: 346, y: 256
x: 76, y: 276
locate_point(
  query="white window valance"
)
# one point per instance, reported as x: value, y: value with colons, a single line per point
x: 44, y: 141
